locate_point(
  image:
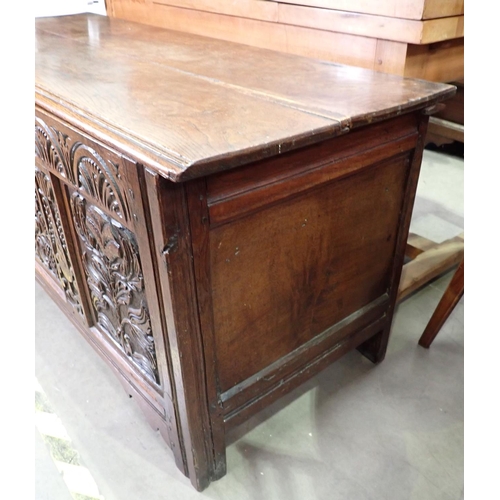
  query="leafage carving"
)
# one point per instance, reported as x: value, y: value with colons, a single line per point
x: 83, y: 166
x: 52, y: 148
x: 114, y: 276
x: 50, y: 242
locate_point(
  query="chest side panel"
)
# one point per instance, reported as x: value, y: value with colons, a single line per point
x: 304, y: 256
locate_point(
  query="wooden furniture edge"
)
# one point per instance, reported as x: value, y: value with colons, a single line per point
x: 156, y: 161
x: 452, y: 295
x: 407, y: 9
x: 429, y: 260
x: 402, y: 9
x: 397, y: 29
x: 446, y: 130
x: 375, y: 348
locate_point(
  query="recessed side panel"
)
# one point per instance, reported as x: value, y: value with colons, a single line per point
x: 283, y: 275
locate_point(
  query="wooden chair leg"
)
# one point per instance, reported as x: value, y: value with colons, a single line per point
x: 446, y: 305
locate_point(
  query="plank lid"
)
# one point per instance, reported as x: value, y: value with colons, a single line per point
x: 187, y: 106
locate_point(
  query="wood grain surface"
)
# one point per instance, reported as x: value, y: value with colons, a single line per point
x: 156, y: 92
x: 340, y: 21
x: 262, y: 316
x: 406, y: 9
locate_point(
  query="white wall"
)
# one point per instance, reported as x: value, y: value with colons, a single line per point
x: 44, y: 8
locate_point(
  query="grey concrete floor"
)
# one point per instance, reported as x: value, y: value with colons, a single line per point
x: 355, y: 431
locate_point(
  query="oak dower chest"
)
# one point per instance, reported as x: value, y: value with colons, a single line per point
x: 221, y: 222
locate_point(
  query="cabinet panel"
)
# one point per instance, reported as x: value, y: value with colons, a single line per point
x: 51, y: 248
x: 283, y: 275
x: 93, y: 170
x: 110, y: 257
x: 101, y: 203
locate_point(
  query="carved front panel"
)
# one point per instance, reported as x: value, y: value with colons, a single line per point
x: 112, y: 265
x: 50, y: 243
x: 82, y: 165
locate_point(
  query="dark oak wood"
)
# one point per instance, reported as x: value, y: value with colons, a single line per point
x: 308, y: 273
x: 172, y: 239
x: 448, y: 302
x: 375, y: 348
x: 218, y: 233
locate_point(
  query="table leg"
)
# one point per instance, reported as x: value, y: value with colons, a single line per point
x: 446, y: 305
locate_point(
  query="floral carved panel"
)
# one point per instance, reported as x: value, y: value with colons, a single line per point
x: 50, y: 243
x: 115, y: 279
x: 83, y: 167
